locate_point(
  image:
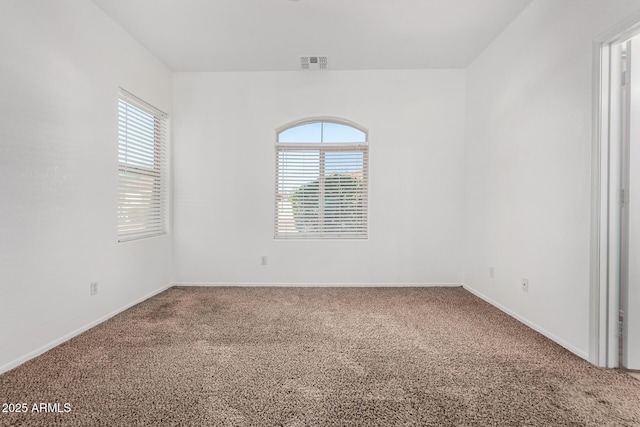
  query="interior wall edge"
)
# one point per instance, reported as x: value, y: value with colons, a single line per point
x: 578, y: 352
x: 321, y: 285
x: 35, y: 353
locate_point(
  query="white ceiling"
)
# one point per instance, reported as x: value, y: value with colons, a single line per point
x: 265, y: 35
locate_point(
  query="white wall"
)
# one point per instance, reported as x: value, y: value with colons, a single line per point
x: 224, y: 159
x: 527, y: 165
x: 61, y: 63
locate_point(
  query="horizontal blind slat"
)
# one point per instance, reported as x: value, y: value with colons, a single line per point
x: 321, y: 192
x: 142, y: 157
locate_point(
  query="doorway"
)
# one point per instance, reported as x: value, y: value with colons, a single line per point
x: 629, y: 299
x: 616, y: 233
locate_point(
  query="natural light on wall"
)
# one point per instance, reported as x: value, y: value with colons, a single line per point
x: 321, y: 180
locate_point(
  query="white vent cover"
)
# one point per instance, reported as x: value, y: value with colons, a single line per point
x: 314, y: 62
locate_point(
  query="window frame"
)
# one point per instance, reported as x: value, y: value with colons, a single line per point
x: 323, y: 148
x: 131, y: 176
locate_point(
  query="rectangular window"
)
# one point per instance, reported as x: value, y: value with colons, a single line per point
x: 321, y: 186
x: 142, y: 169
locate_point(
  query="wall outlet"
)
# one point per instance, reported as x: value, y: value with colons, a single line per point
x: 492, y: 272
x: 525, y: 284
x: 94, y: 288
x: 263, y: 260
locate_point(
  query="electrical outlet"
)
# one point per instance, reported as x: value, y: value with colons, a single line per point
x: 94, y: 288
x: 263, y: 260
x: 492, y: 272
x: 525, y: 284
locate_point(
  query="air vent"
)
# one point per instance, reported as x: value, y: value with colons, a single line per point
x: 314, y: 62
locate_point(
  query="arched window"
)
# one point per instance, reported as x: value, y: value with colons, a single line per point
x: 322, y: 168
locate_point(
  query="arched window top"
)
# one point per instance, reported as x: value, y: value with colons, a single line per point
x: 322, y: 130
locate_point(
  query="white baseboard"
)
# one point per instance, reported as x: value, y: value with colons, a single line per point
x: 530, y: 324
x: 320, y: 285
x: 19, y: 361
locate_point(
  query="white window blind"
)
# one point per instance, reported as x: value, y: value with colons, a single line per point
x: 321, y: 181
x: 142, y: 169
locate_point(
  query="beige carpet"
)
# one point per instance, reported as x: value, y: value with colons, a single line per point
x: 317, y: 356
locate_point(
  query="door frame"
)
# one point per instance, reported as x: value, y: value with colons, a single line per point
x: 606, y: 187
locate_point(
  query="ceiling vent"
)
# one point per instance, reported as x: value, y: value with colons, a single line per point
x: 314, y: 62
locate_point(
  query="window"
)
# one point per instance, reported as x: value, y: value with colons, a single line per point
x: 321, y: 180
x: 142, y: 172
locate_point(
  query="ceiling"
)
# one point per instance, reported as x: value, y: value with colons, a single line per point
x: 271, y: 35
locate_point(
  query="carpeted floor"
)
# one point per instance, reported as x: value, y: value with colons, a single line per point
x: 321, y: 357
